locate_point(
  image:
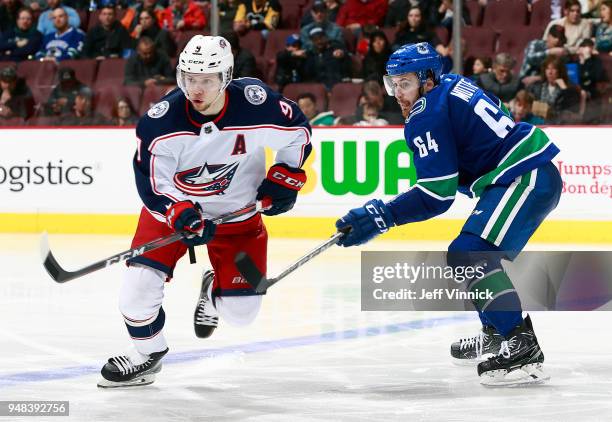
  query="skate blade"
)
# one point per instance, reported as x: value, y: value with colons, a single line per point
x: 136, y: 382
x: 470, y: 362
x: 527, y: 374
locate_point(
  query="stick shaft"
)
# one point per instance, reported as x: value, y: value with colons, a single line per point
x: 60, y: 275
x: 307, y: 257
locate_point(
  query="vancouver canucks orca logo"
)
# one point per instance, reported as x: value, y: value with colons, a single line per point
x: 206, y: 180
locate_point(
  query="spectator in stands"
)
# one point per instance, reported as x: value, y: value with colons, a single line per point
x: 603, y: 31
x: 561, y: 100
x: 290, y: 62
x: 308, y: 104
x: 593, y: 9
x: 375, y: 60
x: 414, y: 30
x: 15, y: 96
x: 148, y: 67
x: 244, y: 61
x: 46, y: 22
x: 328, y: 62
x: 356, y: 14
x: 371, y: 116
x: 149, y: 27
x: 61, y: 99
x: 443, y: 15
x: 22, y: 42
x: 521, y: 109
x: 537, y: 50
x: 9, y: 9
x: 35, y: 5
x: 576, y: 29
x: 481, y: 66
x: 320, y: 19
x: 501, y: 82
x: 83, y: 113
x: 332, y: 9
x: 123, y: 113
x: 65, y: 43
x: 591, y: 69
x: 257, y: 15
x: 183, y: 15
x: 373, y: 93
x: 227, y: 11
x: 131, y: 18
x: 447, y: 57
x: 107, y: 39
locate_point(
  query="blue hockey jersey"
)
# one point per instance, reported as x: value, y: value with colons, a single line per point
x: 463, y: 140
x: 63, y: 47
x: 217, y: 161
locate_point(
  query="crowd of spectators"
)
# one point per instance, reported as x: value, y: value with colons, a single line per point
x: 336, y: 47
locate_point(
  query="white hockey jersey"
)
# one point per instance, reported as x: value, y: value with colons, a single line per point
x: 217, y: 161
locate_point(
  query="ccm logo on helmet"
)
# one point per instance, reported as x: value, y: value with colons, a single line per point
x: 196, y: 61
x: 288, y: 180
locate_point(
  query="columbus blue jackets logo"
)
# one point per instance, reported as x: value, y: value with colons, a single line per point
x: 207, y: 180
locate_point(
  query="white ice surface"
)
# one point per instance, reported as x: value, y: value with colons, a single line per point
x: 312, y: 355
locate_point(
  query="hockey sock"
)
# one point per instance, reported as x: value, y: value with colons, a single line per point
x: 147, y: 334
x: 503, y: 308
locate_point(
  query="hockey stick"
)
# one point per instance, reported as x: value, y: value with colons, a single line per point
x: 60, y: 275
x: 260, y: 283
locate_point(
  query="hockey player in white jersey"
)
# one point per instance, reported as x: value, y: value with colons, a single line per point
x: 201, y: 154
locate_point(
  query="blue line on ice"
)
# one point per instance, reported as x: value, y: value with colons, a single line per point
x: 10, y: 380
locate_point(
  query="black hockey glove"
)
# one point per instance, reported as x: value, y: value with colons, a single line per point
x: 281, y: 185
x: 185, y: 217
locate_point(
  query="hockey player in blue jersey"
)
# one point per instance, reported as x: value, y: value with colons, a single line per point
x: 464, y: 140
x: 201, y: 154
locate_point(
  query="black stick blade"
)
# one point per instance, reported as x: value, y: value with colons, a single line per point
x: 54, y: 269
x: 249, y: 271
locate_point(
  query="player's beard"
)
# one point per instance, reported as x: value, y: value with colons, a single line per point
x: 405, y: 106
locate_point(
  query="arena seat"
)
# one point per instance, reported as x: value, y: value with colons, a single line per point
x: 505, y: 14
x: 540, y: 14
x: 292, y: 91
x: 343, y: 98
x: 37, y: 73
x: 253, y: 42
x: 107, y: 96
x: 84, y: 69
x: 111, y: 72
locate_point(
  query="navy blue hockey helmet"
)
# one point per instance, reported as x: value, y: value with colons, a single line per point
x: 414, y: 58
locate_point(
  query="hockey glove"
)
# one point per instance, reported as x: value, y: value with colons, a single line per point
x: 365, y: 223
x: 281, y: 185
x: 185, y: 216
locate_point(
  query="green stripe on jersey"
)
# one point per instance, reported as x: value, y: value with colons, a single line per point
x: 531, y: 145
x: 444, y: 186
x: 508, y: 207
x: 495, y: 283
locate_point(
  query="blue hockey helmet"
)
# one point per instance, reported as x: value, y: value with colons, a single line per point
x: 418, y: 58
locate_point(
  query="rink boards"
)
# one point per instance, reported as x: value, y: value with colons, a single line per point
x: 81, y: 181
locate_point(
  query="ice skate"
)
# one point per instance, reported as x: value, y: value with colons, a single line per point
x: 520, y: 360
x: 472, y: 350
x: 130, y: 370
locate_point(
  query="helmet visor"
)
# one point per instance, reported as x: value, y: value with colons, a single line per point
x: 200, y: 84
x: 396, y: 83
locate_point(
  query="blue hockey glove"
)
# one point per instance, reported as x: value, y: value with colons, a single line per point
x: 365, y: 223
x: 185, y: 216
x: 281, y: 186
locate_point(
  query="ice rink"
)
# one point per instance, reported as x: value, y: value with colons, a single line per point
x: 311, y: 355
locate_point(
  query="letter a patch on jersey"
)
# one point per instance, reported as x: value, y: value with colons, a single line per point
x: 239, y: 145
